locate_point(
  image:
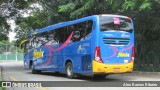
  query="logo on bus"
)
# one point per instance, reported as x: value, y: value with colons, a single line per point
x: 121, y: 54
x: 38, y: 54
x: 117, y: 41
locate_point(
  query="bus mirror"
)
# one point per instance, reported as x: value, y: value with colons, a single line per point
x: 22, y: 43
x: 21, y: 47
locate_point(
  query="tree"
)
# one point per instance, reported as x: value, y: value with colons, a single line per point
x: 145, y: 14
x: 10, y: 9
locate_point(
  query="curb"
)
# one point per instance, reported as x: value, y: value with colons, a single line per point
x: 145, y: 74
x: 142, y: 72
x: 0, y: 72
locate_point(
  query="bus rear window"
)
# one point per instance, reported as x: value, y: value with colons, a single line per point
x: 108, y: 23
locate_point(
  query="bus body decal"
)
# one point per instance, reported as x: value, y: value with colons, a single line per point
x: 63, y: 45
x: 125, y: 49
x: 38, y: 54
x: 50, y: 57
x: 115, y: 50
x: 50, y: 49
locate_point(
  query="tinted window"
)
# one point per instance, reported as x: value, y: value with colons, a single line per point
x: 82, y: 30
x: 115, y: 23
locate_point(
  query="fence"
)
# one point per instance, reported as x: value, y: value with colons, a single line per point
x: 18, y: 57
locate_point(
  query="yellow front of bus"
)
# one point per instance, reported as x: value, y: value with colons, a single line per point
x: 115, y: 52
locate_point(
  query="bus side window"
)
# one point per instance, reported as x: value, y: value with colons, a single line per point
x: 83, y: 27
x: 70, y: 30
x: 60, y: 31
x: 26, y: 49
x: 33, y: 42
x: 76, y: 32
x: 64, y: 34
x: 55, y: 34
x: 44, y: 38
x: 49, y: 38
x: 73, y: 29
x: 30, y: 42
x: 88, y: 30
x: 38, y: 40
x: 24, y: 46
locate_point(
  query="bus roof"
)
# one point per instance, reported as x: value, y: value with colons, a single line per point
x: 55, y: 26
x: 58, y: 25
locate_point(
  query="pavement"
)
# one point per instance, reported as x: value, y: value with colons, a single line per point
x: 13, y: 71
x: 0, y: 70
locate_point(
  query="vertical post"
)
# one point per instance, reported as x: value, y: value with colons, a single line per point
x: 6, y: 52
x: 16, y: 54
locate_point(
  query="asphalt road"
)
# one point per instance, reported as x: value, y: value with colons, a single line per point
x: 13, y: 71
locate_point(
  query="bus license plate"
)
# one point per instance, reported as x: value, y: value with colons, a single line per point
x: 116, y: 69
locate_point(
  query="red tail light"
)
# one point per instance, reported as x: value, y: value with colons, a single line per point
x: 100, y: 15
x: 132, y: 57
x: 129, y: 17
x: 98, y: 55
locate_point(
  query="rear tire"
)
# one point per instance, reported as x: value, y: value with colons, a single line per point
x: 33, y: 70
x: 69, y: 70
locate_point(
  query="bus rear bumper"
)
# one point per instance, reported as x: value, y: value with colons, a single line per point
x: 101, y: 68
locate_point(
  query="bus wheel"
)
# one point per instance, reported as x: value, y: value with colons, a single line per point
x: 99, y: 76
x: 69, y: 70
x: 34, y: 71
x: 56, y: 72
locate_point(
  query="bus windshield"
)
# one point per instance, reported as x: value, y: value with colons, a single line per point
x: 115, y: 23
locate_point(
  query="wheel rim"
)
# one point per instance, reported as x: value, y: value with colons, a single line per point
x: 32, y: 67
x: 69, y: 70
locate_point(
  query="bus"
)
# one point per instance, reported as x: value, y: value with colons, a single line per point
x: 96, y: 45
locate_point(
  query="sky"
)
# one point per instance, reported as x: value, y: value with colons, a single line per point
x: 12, y: 34
x: 13, y: 25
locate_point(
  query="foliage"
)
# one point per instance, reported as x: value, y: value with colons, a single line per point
x: 10, y: 9
x: 145, y: 14
x: 27, y: 24
x: 4, y: 28
x: 3, y: 37
x: 10, y: 47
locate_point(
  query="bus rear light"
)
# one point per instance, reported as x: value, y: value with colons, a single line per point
x: 98, y: 55
x: 100, y: 15
x: 132, y: 57
x: 129, y: 17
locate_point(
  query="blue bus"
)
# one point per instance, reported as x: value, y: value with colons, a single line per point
x: 96, y: 45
